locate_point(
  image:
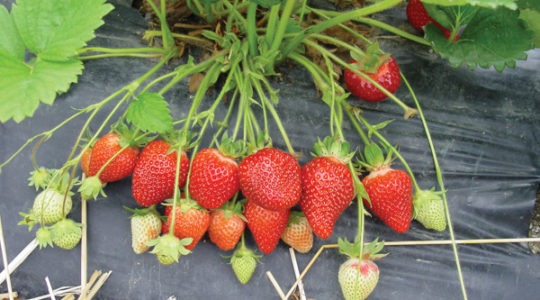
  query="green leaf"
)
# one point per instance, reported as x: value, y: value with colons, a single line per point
x: 150, y: 112
x: 492, y: 38
x: 511, y: 4
x: 532, y: 18
x: 10, y: 41
x: 531, y: 4
x: 56, y: 29
x: 267, y: 3
x: 24, y: 85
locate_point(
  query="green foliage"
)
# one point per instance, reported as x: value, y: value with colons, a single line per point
x: 51, y: 32
x: 491, y: 37
x: 482, y: 3
x: 149, y: 112
x: 532, y: 17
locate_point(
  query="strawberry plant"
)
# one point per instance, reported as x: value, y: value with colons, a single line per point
x: 175, y: 162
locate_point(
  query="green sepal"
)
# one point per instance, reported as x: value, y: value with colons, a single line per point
x: 372, y: 59
x: 168, y: 248
x: 92, y: 187
x: 44, y: 237
x: 352, y: 249
x: 333, y: 146
x: 40, y: 178
x: 28, y: 219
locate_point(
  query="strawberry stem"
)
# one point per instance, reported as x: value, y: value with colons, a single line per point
x: 440, y: 181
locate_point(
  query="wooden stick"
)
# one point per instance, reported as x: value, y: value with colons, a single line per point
x: 297, y: 274
x: 97, y: 285
x: 18, y: 260
x: 84, y: 249
x: 276, y: 285
x: 414, y: 243
x: 49, y: 288
x: 5, y: 259
x: 7, y: 295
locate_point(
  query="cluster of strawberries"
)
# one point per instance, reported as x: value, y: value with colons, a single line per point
x: 283, y: 200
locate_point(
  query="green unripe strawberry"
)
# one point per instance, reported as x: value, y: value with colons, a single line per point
x: 51, y: 206
x: 244, y: 263
x: 66, y: 234
x: 429, y: 210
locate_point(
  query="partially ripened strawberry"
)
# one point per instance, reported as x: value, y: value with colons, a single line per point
x: 244, y: 263
x: 298, y: 233
x: 381, y: 67
x: 389, y: 190
x: 117, y: 147
x: 358, y: 276
x: 327, y: 185
x: 154, y: 173
x: 226, y: 226
x: 265, y: 225
x: 66, y: 234
x: 190, y: 220
x: 145, y: 226
x: 428, y: 209
x: 271, y: 178
x: 213, y: 179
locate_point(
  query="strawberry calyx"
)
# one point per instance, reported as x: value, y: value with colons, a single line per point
x: 234, y: 208
x: 374, y: 160
x: 230, y: 148
x: 184, y: 204
x: 44, y: 237
x: 370, y: 250
x: 296, y: 217
x: 371, y: 61
x: 333, y: 147
x: 92, y: 187
x: 180, y: 139
x: 40, y: 178
x: 129, y: 136
x: 168, y: 248
x: 143, y: 211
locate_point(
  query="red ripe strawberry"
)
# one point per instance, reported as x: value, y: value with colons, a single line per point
x: 121, y: 166
x: 298, y: 233
x: 418, y: 17
x: 265, y: 225
x: 327, y: 186
x: 154, y: 173
x: 271, y: 178
x: 380, y: 67
x: 226, y: 226
x: 389, y: 190
x: 213, y: 179
x: 190, y: 221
